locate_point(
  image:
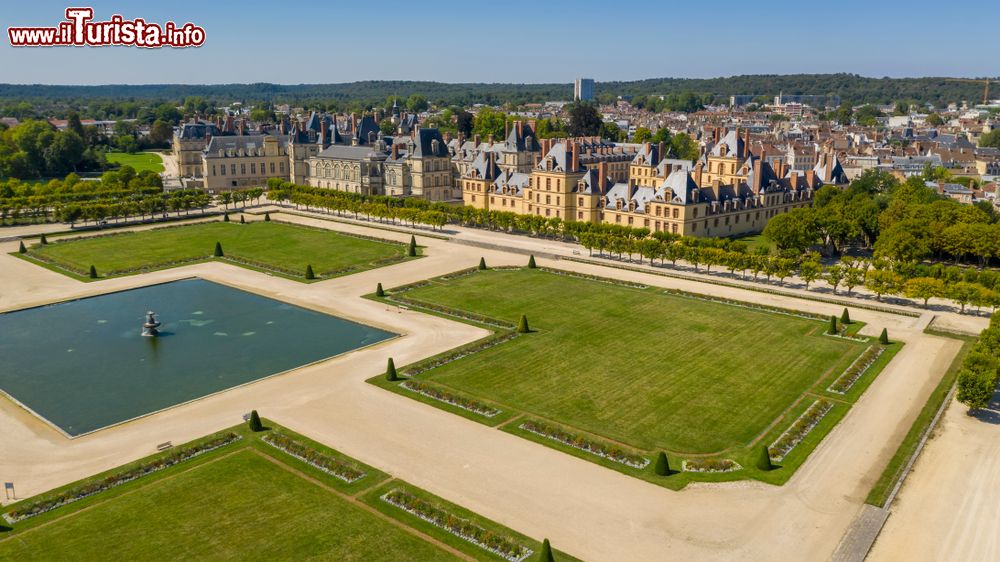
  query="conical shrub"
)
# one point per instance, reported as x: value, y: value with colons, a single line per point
x: 531, y: 262
x: 764, y: 459
x: 482, y: 264
x: 379, y: 292
x: 883, y: 338
x: 390, y: 371
x: 309, y: 272
x: 254, y: 422
x: 661, y: 467
x: 522, y: 325
x: 243, y: 219
x: 845, y: 317
x: 545, y: 554
x: 43, y: 239
x: 21, y: 249
x: 833, y: 324
x: 93, y: 272
x: 411, y: 250
x: 267, y: 217
x: 218, y: 250
x: 225, y: 217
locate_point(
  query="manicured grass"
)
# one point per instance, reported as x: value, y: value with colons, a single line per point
x: 140, y: 160
x: 273, y: 246
x: 887, y: 480
x: 754, y: 241
x: 245, y: 500
x: 650, y: 370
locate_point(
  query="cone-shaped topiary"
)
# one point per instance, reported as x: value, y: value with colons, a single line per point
x: 390, y: 371
x: 545, y: 554
x: 243, y: 219
x: 482, y: 264
x: 883, y: 338
x: 93, y: 272
x: 43, y: 239
x: 661, y: 467
x: 764, y: 460
x: 254, y: 422
x: 267, y: 217
x: 522, y: 326
x: 379, y: 292
x: 411, y: 250
x: 309, y: 272
x: 845, y: 317
x: 833, y: 324
x: 225, y: 217
x: 218, y: 250
x: 531, y: 262
x: 21, y: 249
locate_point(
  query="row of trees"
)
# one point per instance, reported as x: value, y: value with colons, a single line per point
x: 980, y: 374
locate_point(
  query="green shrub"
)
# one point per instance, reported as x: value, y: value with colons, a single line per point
x: 845, y: 317
x: 218, y: 250
x: 531, y: 262
x: 21, y: 249
x: 411, y: 250
x: 43, y: 239
x: 390, y: 371
x: 267, y: 217
x: 482, y: 264
x: 309, y: 272
x: 833, y: 324
x: 379, y: 292
x: 243, y: 220
x: 522, y: 325
x: 225, y: 217
x: 661, y: 467
x: 545, y: 554
x: 764, y: 459
x: 254, y: 422
x: 883, y: 338
x: 93, y: 272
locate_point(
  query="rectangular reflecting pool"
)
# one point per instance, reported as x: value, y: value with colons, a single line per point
x: 83, y: 364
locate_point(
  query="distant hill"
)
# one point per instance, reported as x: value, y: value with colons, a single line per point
x: 850, y: 87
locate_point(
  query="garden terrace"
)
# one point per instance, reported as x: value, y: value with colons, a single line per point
x: 613, y: 371
x: 275, y: 247
x: 238, y: 495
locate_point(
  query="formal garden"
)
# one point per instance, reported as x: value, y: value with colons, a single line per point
x: 663, y: 385
x: 260, y: 491
x: 293, y: 251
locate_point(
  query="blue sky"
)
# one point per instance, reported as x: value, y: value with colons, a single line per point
x: 306, y: 41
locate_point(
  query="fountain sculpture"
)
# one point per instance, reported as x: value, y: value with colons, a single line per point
x: 151, y: 325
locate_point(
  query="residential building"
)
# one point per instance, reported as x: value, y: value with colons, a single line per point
x: 583, y: 89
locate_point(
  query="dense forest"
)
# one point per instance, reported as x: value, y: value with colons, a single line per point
x: 15, y: 98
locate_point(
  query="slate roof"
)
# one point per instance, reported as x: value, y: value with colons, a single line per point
x: 238, y: 142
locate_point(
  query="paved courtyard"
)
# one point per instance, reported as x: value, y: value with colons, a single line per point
x: 589, y: 511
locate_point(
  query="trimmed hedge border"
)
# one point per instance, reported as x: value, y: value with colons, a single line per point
x: 799, y: 429
x: 697, y: 278
x: 458, y: 353
x: 448, y: 311
x: 710, y: 465
x: 857, y: 369
x: 747, y: 305
x: 610, y: 452
x: 468, y: 404
x: 312, y: 457
x: 86, y: 490
x: 589, y: 277
x: 464, y: 529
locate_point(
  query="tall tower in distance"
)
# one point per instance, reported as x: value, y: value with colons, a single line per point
x: 583, y: 89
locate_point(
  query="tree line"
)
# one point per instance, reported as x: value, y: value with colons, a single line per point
x: 980, y: 374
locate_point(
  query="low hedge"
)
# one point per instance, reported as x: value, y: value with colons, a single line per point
x: 592, y: 446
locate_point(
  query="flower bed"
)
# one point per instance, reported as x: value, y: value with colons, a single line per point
x: 710, y: 465
x: 842, y: 334
x: 456, y: 354
x: 467, y: 404
x: 500, y: 545
x: 799, y: 429
x: 312, y: 457
x: 441, y: 309
x: 71, y: 495
x: 597, y: 278
x: 747, y: 305
x: 857, y: 368
x: 603, y: 450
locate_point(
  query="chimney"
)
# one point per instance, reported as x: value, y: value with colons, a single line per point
x: 354, y: 124
x: 475, y: 140
x: 575, y: 162
x: 520, y: 132
x: 322, y: 133
x: 602, y: 176
x: 648, y: 146
x: 793, y: 182
x: 698, y: 168
x: 716, y: 187
x: 746, y: 143
x: 395, y: 151
x: 757, y: 172
x: 506, y: 127
x: 811, y: 179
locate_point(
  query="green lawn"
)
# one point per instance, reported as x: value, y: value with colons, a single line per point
x: 140, y: 160
x: 246, y: 500
x: 653, y: 371
x: 274, y: 246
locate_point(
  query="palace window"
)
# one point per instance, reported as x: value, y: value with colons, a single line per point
x: 232, y: 168
x: 243, y: 169
x: 253, y: 169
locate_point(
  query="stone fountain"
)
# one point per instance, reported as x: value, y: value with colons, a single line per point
x: 151, y: 325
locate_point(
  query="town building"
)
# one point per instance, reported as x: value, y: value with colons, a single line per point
x: 583, y: 89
